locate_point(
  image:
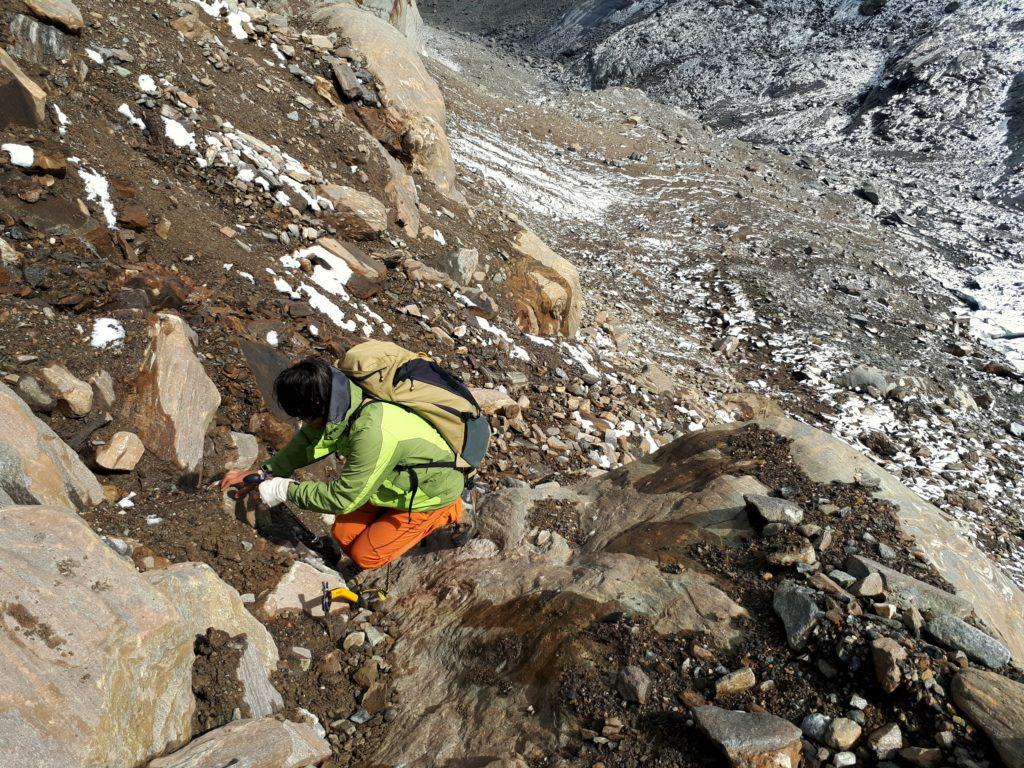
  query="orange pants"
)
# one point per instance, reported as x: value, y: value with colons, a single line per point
x: 374, y: 536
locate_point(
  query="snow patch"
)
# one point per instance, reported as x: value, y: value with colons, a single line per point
x: 98, y: 188
x: 106, y: 332
x: 21, y: 156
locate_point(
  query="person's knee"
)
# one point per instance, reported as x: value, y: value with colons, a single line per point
x: 366, y: 557
x: 345, y: 534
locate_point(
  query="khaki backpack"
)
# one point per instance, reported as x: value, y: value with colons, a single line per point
x: 411, y: 380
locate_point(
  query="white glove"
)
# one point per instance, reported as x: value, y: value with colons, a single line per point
x: 274, y: 490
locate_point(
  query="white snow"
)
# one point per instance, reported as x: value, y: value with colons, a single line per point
x: 147, y: 84
x: 323, y: 304
x: 94, y: 56
x: 125, y: 110
x: 106, y: 332
x: 179, y: 135
x: 21, y: 155
x: 272, y: 338
x: 97, y: 188
x: 126, y: 502
x: 235, y: 18
x: 62, y: 119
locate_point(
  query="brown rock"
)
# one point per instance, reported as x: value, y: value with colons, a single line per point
x: 922, y: 757
x: 176, y: 400
x: 376, y: 697
x: 134, y: 217
x: 24, y: 101
x: 121, y: 453
x: 414, y: 108
x: 996, y: 705
x: 301, y: 589
x: 64, y: 385
x: 191, y: 27
x: 60, y: 13
x: 366, y: 675
x: 887, y: 655
x: 492, y: 400
x: 735, y: 682
x: 546, y: 288
x: 356, y: 214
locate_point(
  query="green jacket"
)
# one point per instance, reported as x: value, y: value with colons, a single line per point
x: 383, y: 437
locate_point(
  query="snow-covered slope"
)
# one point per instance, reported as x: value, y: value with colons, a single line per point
x: 936, y: 78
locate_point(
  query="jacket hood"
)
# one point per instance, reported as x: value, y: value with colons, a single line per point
x: 345, y: 397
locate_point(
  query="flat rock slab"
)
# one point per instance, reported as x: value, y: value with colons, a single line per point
x: 264, y: 743
x: 960, y: 636
x: 996, y: 705
x: 301, y: 589
x: 768, y: 509
x: 60, y: 13
x: 36, y: 466
x: 751, y: 739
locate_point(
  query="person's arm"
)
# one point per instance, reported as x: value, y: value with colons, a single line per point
x: 298, y: 453
x: 372, y: 454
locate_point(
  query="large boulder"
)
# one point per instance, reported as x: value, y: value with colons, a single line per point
x: 413, y: 105
x: 403, y: 15
x: 176, y: 401
x: 24, y: 101
x: 62, y: 14
x: 36, y: 466
x: 356, y: 214
x: 96, y: 657
x: 264, y: 743
x: 996, y: 705
x: 546, y: 288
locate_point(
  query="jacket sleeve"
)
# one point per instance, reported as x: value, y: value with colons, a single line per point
x: 298, y: 453
x: 372, y: 455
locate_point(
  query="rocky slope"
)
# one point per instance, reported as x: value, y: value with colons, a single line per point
x: 668, y: 570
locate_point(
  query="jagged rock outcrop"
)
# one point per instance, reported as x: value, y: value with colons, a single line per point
x: 97, y: 658
x: 265, y: 743
x: 176, y: 400
x: 639, y: 526
x: 36, y: 466
x: 62, y: 14
x: 546, y: 288
x: 24, y: 101
x: 413, y: 105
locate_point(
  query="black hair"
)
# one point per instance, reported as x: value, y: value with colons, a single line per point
x: 304, y: 390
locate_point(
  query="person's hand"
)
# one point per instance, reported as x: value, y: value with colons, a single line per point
x: 274, y: 491
x: 235, y: 478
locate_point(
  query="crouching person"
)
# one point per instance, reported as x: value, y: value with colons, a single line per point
x: 399, y: 482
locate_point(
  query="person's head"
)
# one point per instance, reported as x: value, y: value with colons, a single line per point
x: 304, y: 390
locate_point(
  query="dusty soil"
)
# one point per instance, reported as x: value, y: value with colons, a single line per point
x: 560, y: 516
x: 215, y: 682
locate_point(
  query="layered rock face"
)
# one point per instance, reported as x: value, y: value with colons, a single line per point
x: 97, y: 658
x: 545, y: 287
x: 176, y: 399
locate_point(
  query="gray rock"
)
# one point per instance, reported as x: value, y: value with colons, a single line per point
x: 906, y: 591
x: 768, y: 509
x: 958, y: 635
x: 862, y: 377
x: 814, y: 726
x: 633, y: 684
x: 799, y: 612
x: 869, y: 586
x: 751, y: 739
x: 461, y: 264
x: 31, y: 392
x: 264, y: 743
x: 886, y: 741
x: 257, y: 691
